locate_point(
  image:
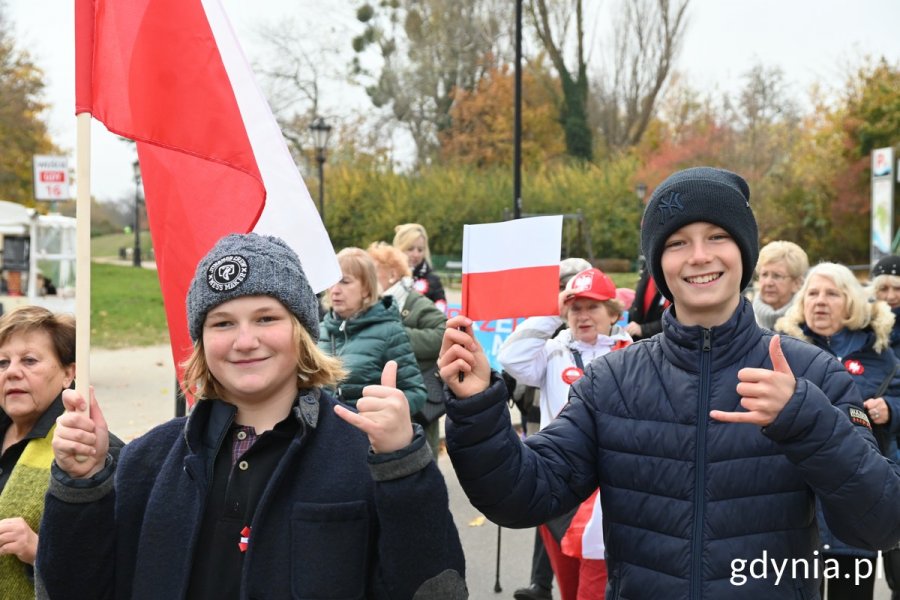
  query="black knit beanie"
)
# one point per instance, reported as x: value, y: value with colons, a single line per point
x: 700, y: 194
x: 888, y: 265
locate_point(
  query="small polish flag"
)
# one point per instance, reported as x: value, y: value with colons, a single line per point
x: 511, y: 269
x: 245, y: 539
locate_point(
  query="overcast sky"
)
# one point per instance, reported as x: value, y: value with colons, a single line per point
x: 811, y: 40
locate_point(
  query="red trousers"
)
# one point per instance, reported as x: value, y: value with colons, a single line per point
x: 578, y: 578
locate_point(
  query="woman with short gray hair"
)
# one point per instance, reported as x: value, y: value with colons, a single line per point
x: 779, y: 274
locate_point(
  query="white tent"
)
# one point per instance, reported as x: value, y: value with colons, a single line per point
x: 52, y: 242
x: 15, y: 219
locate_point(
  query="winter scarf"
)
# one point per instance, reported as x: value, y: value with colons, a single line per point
x: 766, y: 315
x: 23, y: 496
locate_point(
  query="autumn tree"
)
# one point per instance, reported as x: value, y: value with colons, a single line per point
x: 293, y: 74
x: 646, y: 39
x: 690, y: 130
x: 553, y: 24
x: 873, y: 105
x: 426, y: 49
x: 766, y: 119
x: 23, y: 133
x: 868, y: 119
x: 799, y: 198
x: 481, y: 130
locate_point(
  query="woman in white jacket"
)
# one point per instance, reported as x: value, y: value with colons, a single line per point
x: 544, y: 353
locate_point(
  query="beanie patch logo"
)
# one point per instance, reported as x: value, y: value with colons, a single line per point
x: 668, y: 206
x: 227, y: 273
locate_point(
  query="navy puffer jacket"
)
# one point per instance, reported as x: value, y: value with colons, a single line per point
x: 685, y: 496
x: 869, y: 366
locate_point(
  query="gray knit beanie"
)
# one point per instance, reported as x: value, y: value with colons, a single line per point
x: 251, y: 265
x: 700, y: 194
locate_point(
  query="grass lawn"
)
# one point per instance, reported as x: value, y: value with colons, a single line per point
x: 624, y: 280
x: 126, y: 307
x: 107, y: 246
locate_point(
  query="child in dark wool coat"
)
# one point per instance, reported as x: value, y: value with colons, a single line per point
x: 270, y: 488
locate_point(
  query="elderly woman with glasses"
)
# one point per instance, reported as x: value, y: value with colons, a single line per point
x: 779, y: 272
x: 833, y: 312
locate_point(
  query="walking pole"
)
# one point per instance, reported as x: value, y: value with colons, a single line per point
x: 497, y: 588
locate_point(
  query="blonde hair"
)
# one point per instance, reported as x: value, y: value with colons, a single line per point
x: 406, y: 235
x: 855, y: 298
x: 358, y: 263
x: 861, y: 314
x: 314, y: 367
x: 780, y: 250
x: 29, y: 319
x: 389, y: 257
x: 887, y: 279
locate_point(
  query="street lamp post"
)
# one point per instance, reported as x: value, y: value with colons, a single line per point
x: 321, y: 131
x: 640, y: 190
x: 137, y: 214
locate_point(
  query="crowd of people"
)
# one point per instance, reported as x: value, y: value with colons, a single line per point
x: 747, y: 410
x: 714, y: 443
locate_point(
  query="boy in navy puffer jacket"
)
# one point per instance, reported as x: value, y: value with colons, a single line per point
x: 710, y: 440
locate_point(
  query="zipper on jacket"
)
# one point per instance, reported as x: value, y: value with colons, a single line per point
x: 700, y: 467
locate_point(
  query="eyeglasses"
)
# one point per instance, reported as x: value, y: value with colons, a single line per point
x: 776, y: 277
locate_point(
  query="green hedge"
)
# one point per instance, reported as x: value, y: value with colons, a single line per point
x: 364, y: 205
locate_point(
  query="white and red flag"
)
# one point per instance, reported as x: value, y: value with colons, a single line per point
x: 171, y: 75
x: 511, y: 269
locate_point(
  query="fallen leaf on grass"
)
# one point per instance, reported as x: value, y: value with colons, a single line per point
x: 477, y: 521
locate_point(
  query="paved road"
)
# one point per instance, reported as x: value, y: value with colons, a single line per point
x: 135, y: 389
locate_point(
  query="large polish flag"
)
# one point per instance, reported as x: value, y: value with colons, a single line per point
x: 511, y: 269
x: 171, y: 75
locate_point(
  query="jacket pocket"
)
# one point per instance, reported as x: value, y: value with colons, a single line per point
x: 329, y: 550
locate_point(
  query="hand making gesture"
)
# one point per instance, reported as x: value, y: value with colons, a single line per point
x: 764, y: 392
x: 383, y: 413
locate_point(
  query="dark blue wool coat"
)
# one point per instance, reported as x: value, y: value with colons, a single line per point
x: 685, y: 496
x: 332, y: 523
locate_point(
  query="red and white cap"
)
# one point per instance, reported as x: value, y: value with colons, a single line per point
x: 593, y: 284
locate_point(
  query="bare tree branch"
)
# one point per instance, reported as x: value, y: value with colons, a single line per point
x: 551, y: 28
x: 648, y: 36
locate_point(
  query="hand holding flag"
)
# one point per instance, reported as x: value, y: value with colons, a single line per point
x: 80, y: 434
x: 461, y: 354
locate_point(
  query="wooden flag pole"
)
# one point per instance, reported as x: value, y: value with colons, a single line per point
x: 83, y: 259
